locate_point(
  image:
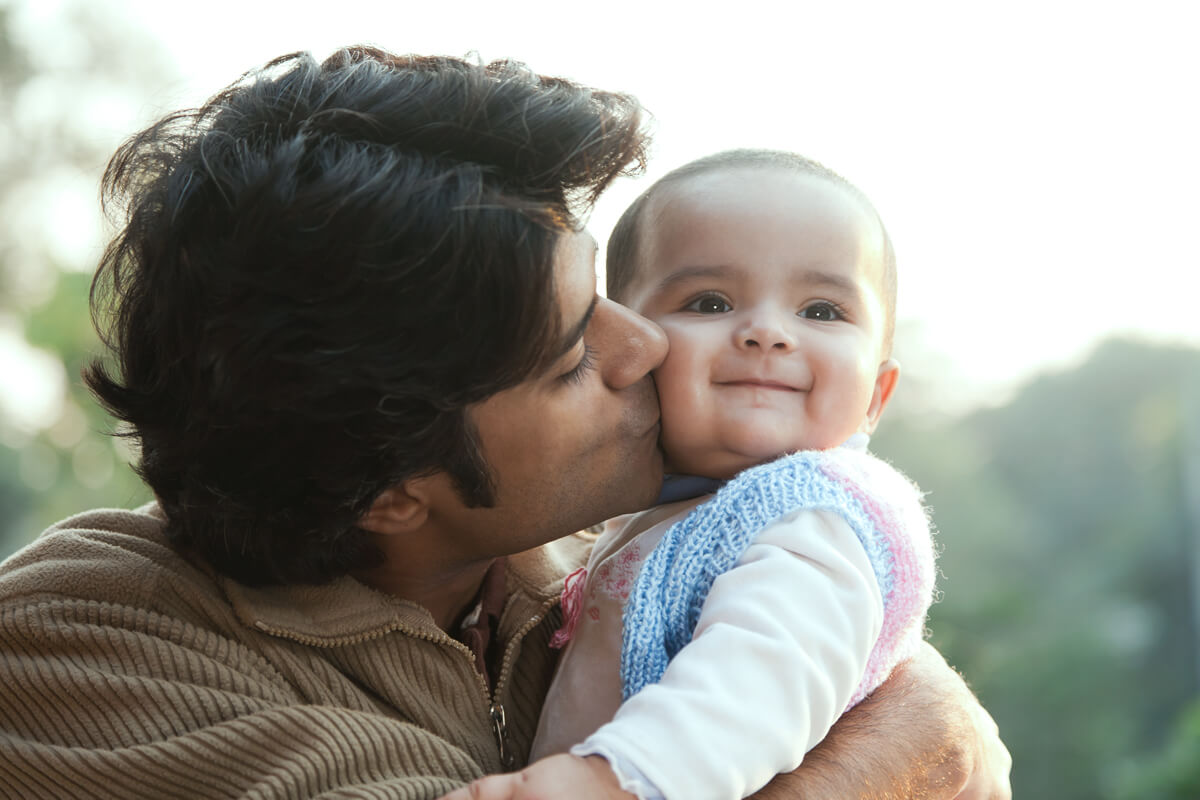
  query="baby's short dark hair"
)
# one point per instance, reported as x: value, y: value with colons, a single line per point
x: 625, y: 241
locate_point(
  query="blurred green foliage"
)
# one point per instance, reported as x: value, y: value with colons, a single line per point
x: 1067, y: 517
x: 1069, y: 562
x: 1174, y: 772
x: 56, y: 82
x: 76, y: 463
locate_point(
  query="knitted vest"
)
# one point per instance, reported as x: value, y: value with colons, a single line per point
x: 880, y: 505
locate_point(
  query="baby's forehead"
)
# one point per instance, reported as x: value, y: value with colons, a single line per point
x: 745, y: 182
x: 772, y: 201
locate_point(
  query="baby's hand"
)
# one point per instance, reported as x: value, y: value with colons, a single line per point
x: 553, y: 778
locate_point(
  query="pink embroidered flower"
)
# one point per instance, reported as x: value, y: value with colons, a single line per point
x: 572, y: 604
x: 616, y: 575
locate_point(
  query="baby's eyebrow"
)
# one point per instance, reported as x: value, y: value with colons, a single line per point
x: 684, y: 274
x: 816, y: 277
x: 807, y: 277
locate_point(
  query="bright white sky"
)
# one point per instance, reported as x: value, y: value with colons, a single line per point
x: 1036, y: 163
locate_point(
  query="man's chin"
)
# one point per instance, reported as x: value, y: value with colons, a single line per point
x: 640, y: 497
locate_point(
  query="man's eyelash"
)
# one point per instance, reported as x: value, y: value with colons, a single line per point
x: 586, y: 363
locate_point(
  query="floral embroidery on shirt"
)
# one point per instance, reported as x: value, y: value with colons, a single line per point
x: 572, y: 602
x: 616, y: 575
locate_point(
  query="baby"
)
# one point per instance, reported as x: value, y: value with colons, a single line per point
x: 714, y: 640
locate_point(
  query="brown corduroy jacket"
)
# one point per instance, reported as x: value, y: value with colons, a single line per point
x: 126, y: 672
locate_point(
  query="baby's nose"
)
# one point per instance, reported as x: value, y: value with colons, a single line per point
x: 768, y: 332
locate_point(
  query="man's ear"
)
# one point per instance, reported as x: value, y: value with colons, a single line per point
x: 885, y: 384
x: 398, y: 510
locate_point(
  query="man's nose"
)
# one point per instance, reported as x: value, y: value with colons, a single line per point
x: 634, y: 346
x: 768, y: 330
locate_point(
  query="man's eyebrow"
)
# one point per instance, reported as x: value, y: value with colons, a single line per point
x: 576, y: 332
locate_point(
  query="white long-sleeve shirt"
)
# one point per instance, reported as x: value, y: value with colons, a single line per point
x: 781, y: 645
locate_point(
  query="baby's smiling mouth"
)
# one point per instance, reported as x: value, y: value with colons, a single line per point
x: 760, y: 383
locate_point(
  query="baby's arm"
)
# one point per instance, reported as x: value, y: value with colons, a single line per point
x: 550, y: 778
x: 920, y: 734
x: 781, y: 644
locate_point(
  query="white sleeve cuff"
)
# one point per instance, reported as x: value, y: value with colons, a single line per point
x: 631, y: 779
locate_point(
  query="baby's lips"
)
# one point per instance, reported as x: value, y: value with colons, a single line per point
x: 762, y: 383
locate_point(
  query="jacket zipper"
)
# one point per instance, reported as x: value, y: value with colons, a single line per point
x: 496, y: 709
x: 500, y: 730
x: 496, y: 713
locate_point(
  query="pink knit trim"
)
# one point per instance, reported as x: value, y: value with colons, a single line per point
x: 572, y: 605
x: 907, y: 532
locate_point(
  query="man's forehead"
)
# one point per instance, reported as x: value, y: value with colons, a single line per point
x: 576, y: 249
x: 576, y: 277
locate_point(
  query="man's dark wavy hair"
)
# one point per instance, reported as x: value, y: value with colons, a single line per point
x: 319, y: 270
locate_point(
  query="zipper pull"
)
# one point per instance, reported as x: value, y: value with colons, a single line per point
x: 500, y: 729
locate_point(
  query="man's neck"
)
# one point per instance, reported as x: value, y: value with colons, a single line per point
x: 448, y: 595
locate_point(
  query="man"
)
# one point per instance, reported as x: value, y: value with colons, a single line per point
x: 357, y: 339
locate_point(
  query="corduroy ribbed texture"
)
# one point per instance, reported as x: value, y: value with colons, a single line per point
x: 125, y: 672
x: 882, y: 507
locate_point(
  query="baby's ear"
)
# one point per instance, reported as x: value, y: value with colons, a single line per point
x: 885, y: 383
x: 400, y: 509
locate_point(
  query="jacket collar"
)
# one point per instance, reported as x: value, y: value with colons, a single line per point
x: 346, y: 611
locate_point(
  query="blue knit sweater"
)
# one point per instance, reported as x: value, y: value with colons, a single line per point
x: 664, y: 607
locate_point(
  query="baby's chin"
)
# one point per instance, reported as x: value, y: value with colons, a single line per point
x: 728, y: 459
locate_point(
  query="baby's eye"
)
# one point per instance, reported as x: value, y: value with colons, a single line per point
x: 822, y: 311
x: 709, y: 304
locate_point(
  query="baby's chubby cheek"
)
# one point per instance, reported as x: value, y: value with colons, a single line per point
x: 688, y: 439
x: 715, y: 449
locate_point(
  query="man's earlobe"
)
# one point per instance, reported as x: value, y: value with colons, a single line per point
x: 885, y: 383
x: 400, y: 509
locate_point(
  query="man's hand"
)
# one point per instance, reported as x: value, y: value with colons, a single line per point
x: 989, y: 766
x: 921, y: 735
x: 550, y: 778
x: 973, y: 758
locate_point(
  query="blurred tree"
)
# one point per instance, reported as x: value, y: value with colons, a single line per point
x: 73, y: 79
x: 1066, y: 563
x: 1172, y: 774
